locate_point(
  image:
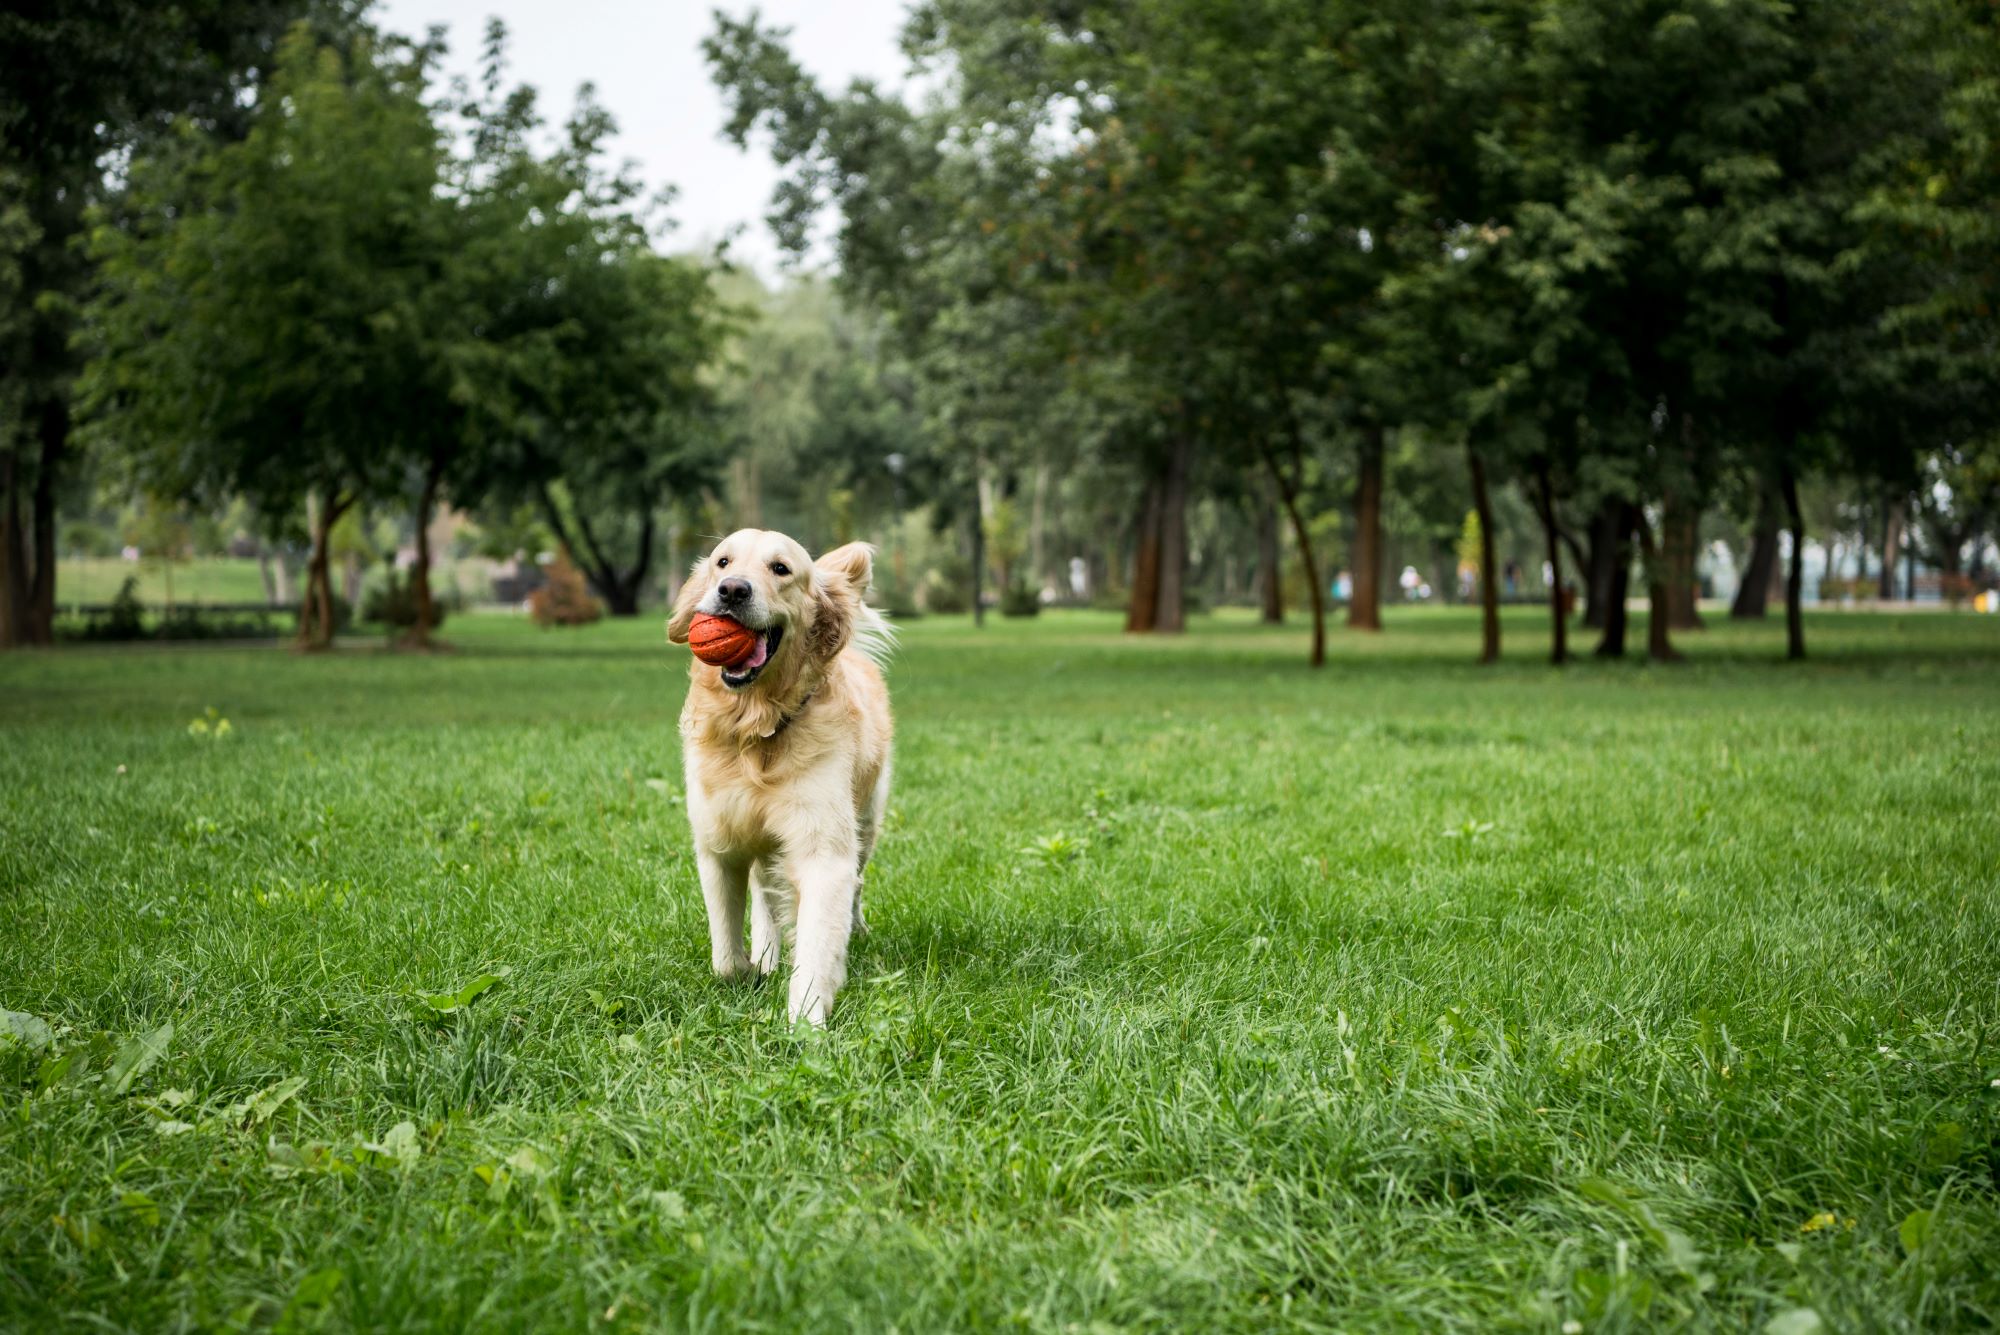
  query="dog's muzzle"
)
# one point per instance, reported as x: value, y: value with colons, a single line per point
x: 747, y: 671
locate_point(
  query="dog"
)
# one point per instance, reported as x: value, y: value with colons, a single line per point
x: 787, y: 757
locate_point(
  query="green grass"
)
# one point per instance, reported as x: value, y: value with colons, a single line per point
x: 221, y: 579
x: 205, y: 580
x: 1204, y: 992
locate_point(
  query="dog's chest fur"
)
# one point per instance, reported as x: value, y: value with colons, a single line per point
x: 738, y: 793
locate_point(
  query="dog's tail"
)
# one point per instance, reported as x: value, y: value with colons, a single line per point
x: 874, y: 636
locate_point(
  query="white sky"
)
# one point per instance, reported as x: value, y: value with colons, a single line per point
x: 644, y: 57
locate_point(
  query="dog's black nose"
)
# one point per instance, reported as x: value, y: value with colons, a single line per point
x: 733, y: 590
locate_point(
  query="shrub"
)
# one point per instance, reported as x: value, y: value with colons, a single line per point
x: 566, y: 599
x: 948, y: 587
x: 1020, y: 600
x: 894, y: 597
x: 193, y: 623
x: 80, y: 535
x: 393, y: 603
x: 127, y: 618
x: 343, y: 611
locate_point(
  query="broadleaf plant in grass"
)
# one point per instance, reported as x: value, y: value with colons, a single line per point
x: 440, y: 1004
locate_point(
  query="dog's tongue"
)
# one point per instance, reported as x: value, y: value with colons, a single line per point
x: 757, y: 655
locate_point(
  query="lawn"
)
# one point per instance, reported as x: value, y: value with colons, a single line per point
x: 205, y: 580
x: 1205, y: 992
x: 221, y: 579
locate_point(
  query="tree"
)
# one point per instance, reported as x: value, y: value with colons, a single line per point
x: 585, y: 388
x: 84, y: 79
x: 274, y: 318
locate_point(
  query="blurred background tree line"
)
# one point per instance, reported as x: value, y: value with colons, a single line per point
x: 1159, y: 305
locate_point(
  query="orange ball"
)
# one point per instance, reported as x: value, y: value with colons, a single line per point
x: 720, y: 641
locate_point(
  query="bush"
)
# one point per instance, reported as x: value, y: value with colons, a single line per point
x: 1020, y: 600
x: 80, y: 535
x: 343, y: 611
x: 192, y: 623
x: 948, y: 587
x: 393, y: 603
x: 1846, y: 590
x: 566, y: 600
x: 894, y: 597
x: 125, y: 621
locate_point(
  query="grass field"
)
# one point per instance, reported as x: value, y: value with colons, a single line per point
x: 97, y: 580
x: 1204, y: 992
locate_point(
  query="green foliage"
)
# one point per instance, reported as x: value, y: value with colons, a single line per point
x: 1020, y: 599
x: 125, y: 620
x: 392, y: 602
x: 281, y: 287
x: 589, y: 393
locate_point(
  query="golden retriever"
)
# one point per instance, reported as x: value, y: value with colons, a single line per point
x: 787, y: 756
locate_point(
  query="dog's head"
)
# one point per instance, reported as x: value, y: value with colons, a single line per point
x: 802, y: 610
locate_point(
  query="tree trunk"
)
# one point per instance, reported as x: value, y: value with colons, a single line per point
x: 1303, y: 536
x: 1170, y: 616
x: 621, y: 598
x: 1607, y: 549
x: 1892, y: 545
x: 1659, y: 595
x: 1142, y: 602
x: 1545, y: 504
x: 1795, y: 628
x: 264, y: 571
x: 642, y: 564
x: 978, y: 556
x: 54, y: 431
x: 1270, y: 567
x: 1754, y: 593
x: 1489, y: 574
x: 420, y: 569
x: 13, y: 555
x: 1680, y: 542
x: 1364, y: 609
x: 316, y: 612
x: 1619, y: 559
x: 1038, y: 573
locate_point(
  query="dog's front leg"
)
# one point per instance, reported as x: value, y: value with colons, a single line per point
x: 723, y: 883
x: 826, y: 884
x: 766, y: 925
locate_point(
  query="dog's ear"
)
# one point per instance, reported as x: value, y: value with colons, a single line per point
x: 854, y: 563
x: 840, y: 581
x: 682, y: 616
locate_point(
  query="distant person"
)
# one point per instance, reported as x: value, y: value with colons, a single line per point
x: 1511, y: 579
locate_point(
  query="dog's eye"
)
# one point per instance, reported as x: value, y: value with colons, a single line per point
x: 721, y: 561
x: 780, y: 568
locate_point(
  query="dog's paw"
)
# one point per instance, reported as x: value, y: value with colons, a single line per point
x: 736, y: 969
x: 810, y: 1006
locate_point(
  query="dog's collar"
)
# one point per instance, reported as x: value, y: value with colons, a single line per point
x: 791, y: 718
